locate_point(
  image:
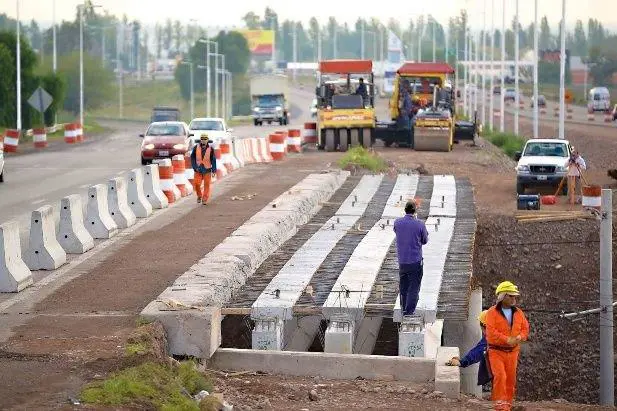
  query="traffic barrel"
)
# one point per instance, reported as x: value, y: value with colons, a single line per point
x: 79, y: 133
x: 166, y: 177
x: 310, y: 133
x: 70, y: 133
x: 294, y: 141
x: 229, y: 161
x: 39, y: 137
x: 11, y: 141
x: 180, y: 179
x: 608, y: 118
x: 591, y: 117
x: 277, y: 146
x: 221, y: 171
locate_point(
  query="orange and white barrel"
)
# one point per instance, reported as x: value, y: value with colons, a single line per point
x: 166, y: 177
x: 591, y: 117
x: 79, y: 137
x: 278, y: 146
x: 229, y: 161
x: 11, y: 141
x: 70, y: 133
x: 608, y: 118
x: 592, y: 196
x: 221, y: 171
x: 294, y: 141
x: 39, y: 137
x: 310, y: 133
x: 264, y: 149
x: 188, y: 169
x: 180, y: 179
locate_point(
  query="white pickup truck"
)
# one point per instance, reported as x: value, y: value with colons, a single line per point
x: 542, y: 163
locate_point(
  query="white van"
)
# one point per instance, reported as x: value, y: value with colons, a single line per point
x: 599, y: 100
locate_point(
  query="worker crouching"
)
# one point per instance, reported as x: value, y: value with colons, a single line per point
x: 203, y: 162
x: 506, y: 328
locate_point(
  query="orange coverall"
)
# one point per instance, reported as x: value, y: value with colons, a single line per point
x: 203, y: 178
x: 503, y: 358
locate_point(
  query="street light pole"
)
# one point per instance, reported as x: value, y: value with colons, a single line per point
x: 81, y: 64
x: 535, y: 71
x: 295, y: 51
x: 607, y: 357
x: 434, y: 40
x: 492, y: 74
x: 517, y: 97
x: 466, y: 72
x: 18, y: 55
x: 223, y: 92
x: 562, y: 74
x: 53, y: 30
x: 208, y: 76
x: 483, y: 78
x: 420, y: 33
x: 120, y: 69
x: 502, y: 125
x: 362, y: 40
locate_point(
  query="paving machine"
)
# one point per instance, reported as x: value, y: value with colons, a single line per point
x: 345, y: 109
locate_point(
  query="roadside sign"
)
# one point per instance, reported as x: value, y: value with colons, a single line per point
x: 569, y: 97
x: 40, y: 100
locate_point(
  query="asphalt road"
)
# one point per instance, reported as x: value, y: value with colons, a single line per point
x: 36, y: 179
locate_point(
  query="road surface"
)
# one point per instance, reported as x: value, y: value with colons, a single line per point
x: 43, y: 178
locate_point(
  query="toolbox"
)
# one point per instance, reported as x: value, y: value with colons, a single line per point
x: 528, y: 202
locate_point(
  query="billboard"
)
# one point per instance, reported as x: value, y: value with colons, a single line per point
x: 261, y: 42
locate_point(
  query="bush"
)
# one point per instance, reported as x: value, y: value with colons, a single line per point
x: 361, y: 157
x: 507, y: 142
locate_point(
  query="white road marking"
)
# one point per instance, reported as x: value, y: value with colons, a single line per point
x: 38, y: 201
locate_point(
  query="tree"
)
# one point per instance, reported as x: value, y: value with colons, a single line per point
x: 314, y: 32
x: 168, y: 35
x: 546, y: 39
x: 97, y: 82
x: 7, y: 86
x: 177, y: 35
x: 252, y: 21
x: 56, y: 87
x: 579, y: 46
x: 158, y: 33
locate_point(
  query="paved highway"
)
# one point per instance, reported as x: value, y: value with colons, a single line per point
x: 44, y: 178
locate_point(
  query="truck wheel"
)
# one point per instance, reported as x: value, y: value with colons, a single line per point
x: 388, y: 143
x: 343, y: 140
x: 144, y: 162
x: 354, y: 134
x: 520, y: 188
x: 366, y: 138
x: 330, y: 140
x: 255, y: 122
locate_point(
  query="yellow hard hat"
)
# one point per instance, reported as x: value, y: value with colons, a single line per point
x: 482, y: 317
x: 204, y: 137
x: 507, y: 287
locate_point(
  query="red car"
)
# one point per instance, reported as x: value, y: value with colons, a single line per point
x: 164, y: 139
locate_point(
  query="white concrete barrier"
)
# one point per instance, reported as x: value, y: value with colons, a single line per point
x: 119, y: 209
x: 72, y: 234
x: 137, y: 199
x: 98, y: 220
x: 152, y: 187
x: 14, y: 273
x: 44, y: 252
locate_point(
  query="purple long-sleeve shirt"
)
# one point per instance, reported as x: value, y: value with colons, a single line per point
x: 411, y: 235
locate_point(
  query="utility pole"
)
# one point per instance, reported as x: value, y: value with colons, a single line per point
x: 119, y: 43
x: 55, y: 59
x: 466, y: 72
x: 536, y: 33
x: 502, y: 125
x: 295, y: 51
x: 483, y: 45
x: 18, y: 81
x: 517, y: 96
x: 381, y: 54
x: 103, y: 45
x: 446, y: 59
x: 492, y: 71
x: 319, y: 44
x: 81, y: 64
x: 476, y: 94
x: 562, y: 75
x: 607, y: 357
x: 420, y: 33
x: 362, y: 40
x: 334, y: 42
x: 223, y: 92
x: 434, y: 40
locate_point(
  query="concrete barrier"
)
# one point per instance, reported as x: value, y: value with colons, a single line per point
x: 98, y: 220
x: 215, y: 277
x: 117, y: 203
x: 44, y: 252
x: 326, y: 365
x: 14, y: 273
x: 137, y: 200
x: 72, y: 234
x: 447, y: 378
x: 152, y: 187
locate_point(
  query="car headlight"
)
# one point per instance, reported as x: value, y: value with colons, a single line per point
x: 522, y: 168
x: 256, y: 109
x: 561, y: 169
x: 179, y: 146
x: 149, y: 146
x: 279, y: 108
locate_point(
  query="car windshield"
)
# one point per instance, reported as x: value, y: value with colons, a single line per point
x: 546, y: 149
x: 269, y: 101
x: 213, y: 125
x: 165, y: 130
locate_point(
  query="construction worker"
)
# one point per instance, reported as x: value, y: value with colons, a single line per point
x: 411, y: 235
x: 203, y: 162
x: 576, y: 165
x: 506, y: 329
x: 476, y: 354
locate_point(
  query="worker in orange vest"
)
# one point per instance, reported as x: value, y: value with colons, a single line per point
x: 506, y: 328
x: 203, y: 162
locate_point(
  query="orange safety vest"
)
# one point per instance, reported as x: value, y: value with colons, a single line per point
x: 203, y: 160
x: 498, y: 329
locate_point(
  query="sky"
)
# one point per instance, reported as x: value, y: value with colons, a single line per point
x: 230, y: 13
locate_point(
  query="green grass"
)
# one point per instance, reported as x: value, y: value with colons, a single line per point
x: 507, y: 142
x: 149, y: 385
x: 363, y: 158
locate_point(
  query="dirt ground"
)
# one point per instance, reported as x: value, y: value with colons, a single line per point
x: 77, y: 334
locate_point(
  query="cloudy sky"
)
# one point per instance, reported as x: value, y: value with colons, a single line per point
x: 204, y: 10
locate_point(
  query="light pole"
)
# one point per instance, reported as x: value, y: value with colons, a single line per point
x: 208, y: 77
x: 492, y: 74
x: 562, y: 80
x: 536, y: 32
x: 120, y: 41
x: 420, y: 35
x: 503, y: 68
x: 190, y: 64
x: 216, y: 82
x: 362, y: 28
x: 295, y: 51
x: 517, y: 97
x: 466, y: 72
x: 53, y: 30
x: 434, y: 40
x: 18, y: 54
x: 80, y: 7
x: 483, y: 78
x: 319, y: 44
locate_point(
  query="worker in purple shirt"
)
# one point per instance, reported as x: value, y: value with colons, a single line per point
x: 411, y: 235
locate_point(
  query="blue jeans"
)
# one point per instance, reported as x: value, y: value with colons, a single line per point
x: 410, y: 276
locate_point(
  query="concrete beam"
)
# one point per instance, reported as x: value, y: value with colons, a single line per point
x: 304, y: 333
x: 367, y: 335
x: 447, y: 378
x: 336, y: 366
